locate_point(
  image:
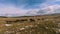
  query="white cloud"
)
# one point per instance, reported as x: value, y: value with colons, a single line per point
x: 47, y: 7
x: 57, y: 0
x: 52, y: 9
x: 11, y: 10
x: 46, y: 10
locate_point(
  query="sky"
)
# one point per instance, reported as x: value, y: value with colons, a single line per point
x: 24, y: 7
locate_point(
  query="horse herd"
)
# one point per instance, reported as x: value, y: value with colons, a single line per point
x: 20, y: 20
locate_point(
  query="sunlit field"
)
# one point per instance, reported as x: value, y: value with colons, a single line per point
x: 46, y: 24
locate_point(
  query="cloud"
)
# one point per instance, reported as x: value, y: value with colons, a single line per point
x: 11, y: 10
x: 40, y: 5
x: 46, y: 10
x: 28, y: 7
x: 57, y: 0
x: 18, y: 3
x: 52, y: 9
x: 28, y: 4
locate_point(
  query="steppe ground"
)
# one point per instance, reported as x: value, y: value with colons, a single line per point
x: 30, y: 25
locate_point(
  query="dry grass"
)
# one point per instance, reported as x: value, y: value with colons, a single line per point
x: 30, y: 25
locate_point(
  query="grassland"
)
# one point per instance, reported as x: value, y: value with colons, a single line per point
x: 45, y: 24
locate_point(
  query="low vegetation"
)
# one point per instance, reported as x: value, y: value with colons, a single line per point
x: 30, y: 25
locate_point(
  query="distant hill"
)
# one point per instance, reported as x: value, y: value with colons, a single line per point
x: 3, y: 17
x: 55, y: 14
